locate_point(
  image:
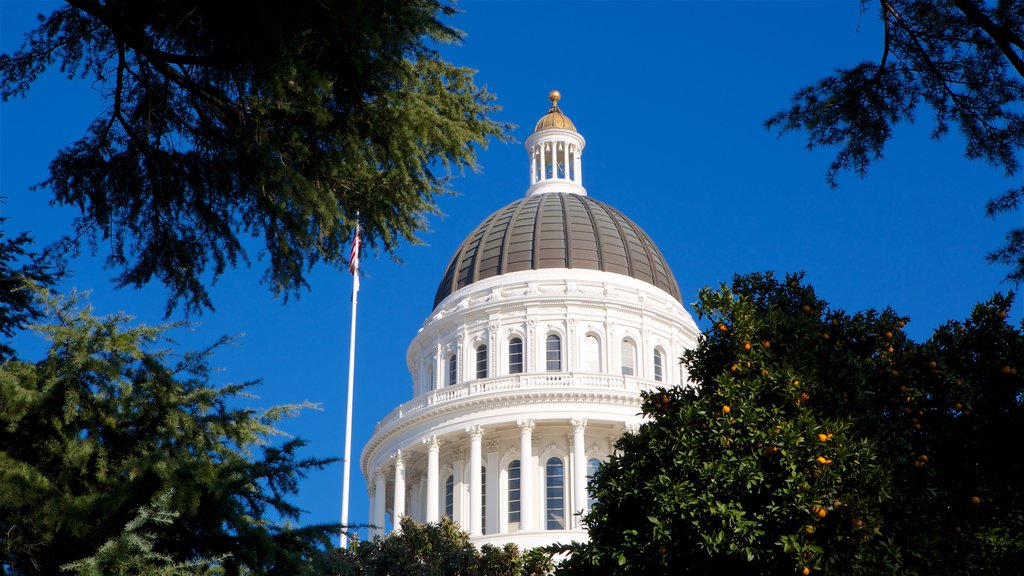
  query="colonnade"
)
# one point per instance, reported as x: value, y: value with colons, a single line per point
x: 530, y: 497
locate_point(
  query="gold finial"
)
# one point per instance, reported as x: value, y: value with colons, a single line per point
x: 554, y: 96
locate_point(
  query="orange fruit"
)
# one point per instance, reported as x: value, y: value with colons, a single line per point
x: 825, y: 336
x: 933, y: 364
x: 858, y: 523
x: 723, y: 327
x: 806, y: 308
x: 888, y: 334
x: 975, y: 500
x: 766, y: 343
x: 746, y: 345
x: 805, y: 570
x: 822, y: 437
x: 726, y: 409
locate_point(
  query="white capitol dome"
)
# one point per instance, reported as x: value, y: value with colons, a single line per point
x: 552, y: 317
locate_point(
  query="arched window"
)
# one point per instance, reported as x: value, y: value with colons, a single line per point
x: 481, y: 361
x: 553, y: 350
x: 592, y: 466
x: 483, y: 500
x: 591, y: 357
x: 554, y: 485
x: 628, y: 358
x: 449, y: 496
x: 513, y: 495
x: 659, y: 366
x: 515, y: 356
x: 453, y: 370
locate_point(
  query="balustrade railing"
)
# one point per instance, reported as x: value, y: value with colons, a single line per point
x: 517, y: 383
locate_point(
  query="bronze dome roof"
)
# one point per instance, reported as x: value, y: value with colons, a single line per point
x: 556, y: 230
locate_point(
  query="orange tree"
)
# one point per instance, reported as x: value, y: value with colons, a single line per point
x: 816, y: 441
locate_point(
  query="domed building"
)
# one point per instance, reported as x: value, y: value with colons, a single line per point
x: 552, y: 317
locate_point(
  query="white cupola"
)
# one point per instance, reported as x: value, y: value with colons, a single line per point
x: 555, y: 148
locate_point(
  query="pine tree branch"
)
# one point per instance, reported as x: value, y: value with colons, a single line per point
x: 1004, y: 39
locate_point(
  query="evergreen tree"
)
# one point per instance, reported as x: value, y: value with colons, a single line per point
x: 21, y: 272
x: 818, y: 441
x: 228, y: 119
x: 961, y: 58
x: 439, y: 549
x: 107, y: 422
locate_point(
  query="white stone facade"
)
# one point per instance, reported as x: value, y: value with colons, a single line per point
x: 522, y: 382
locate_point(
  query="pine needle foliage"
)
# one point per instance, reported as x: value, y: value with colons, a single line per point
x: 108, y: 421
x: 963, y: 60
x: 232, y: 119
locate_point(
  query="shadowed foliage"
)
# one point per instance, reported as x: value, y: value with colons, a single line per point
x: 962, y: 59
x: 280, y: 120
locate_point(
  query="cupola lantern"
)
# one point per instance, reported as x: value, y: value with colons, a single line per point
x: 555, y: 148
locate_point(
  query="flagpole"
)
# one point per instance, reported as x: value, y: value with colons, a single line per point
x: 354, y: 265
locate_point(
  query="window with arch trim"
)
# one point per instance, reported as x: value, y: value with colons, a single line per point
x: 590, y: 359
x: 554, y: 496
x: 659, y: 365
x: 515, y: 356
x: 592, y: 465
x: 514, y: 495
x: 449, y: 496
x: 628, y: 358
x: 553, y: 353
x: 481, y: 361
x: 453, y: 370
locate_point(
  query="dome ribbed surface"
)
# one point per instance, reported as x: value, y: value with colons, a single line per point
x: 555, y: 118
x: 556, y: 230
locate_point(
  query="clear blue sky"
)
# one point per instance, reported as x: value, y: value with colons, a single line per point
x: 671, y: 97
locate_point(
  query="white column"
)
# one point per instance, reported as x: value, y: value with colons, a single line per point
x: 433, y: 447
x: 526, y: 474
x: 579, y: 472
x: 578, y: 172
x: 533, y: 165
x: 493, y: 513
x: 475, y: 435
x: 565, y: 160
x: 379, y: 501
x: 543, y: 163
x: 398, y: 507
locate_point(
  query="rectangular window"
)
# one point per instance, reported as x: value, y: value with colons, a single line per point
x: 515, y: 356
x: 513, y: 495
x: 481, y: 361
x: 555, y: 494
x: 453, y: 370
x: 554, y: 353
x: 628, y: 358
x: 657, y: 366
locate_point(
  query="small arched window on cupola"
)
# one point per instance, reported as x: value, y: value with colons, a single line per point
x: 553, y: 353
x: 481, y: 361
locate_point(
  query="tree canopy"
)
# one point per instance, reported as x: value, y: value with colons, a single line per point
x: 109, y: 427
x: 961, y: 58
x: 230, y: 119
x: 820, y: 441
x: 437, y: 549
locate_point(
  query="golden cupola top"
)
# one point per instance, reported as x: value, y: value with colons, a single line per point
x: 555, y: 118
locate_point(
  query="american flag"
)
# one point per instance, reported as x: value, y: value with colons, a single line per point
x: 353, y: 257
